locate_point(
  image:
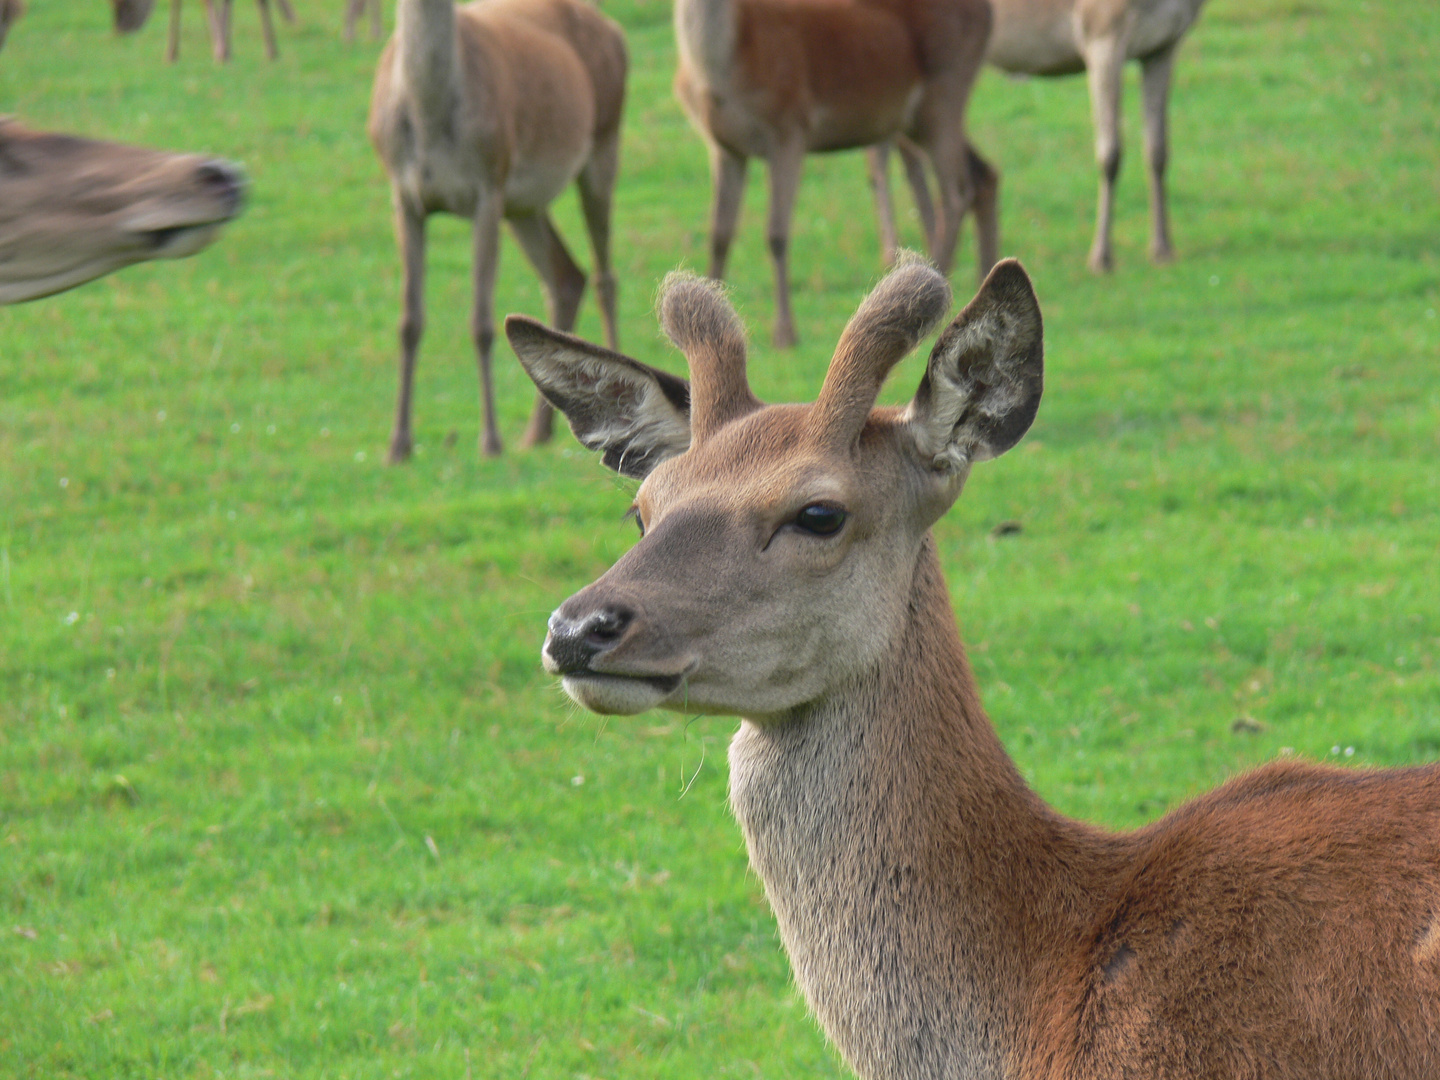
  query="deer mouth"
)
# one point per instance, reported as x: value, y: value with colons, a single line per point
x: 180, y: 240
x: 666, y: 684
x: 619, y: 695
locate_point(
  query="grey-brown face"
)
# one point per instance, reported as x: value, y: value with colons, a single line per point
x: 767, y: 571
x: 130, y: 15
x: 781, y: 543
x: 72, y: 209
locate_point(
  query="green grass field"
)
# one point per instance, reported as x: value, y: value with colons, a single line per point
x: 283, y: 788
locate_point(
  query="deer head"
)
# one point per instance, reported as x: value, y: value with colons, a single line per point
x: 779, y: 542
x: 72, y: 209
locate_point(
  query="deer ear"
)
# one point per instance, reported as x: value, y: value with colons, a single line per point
x: 982, y: 385
x: 635, y: 415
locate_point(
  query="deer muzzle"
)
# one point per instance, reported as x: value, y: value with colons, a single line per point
x: 609, y: 656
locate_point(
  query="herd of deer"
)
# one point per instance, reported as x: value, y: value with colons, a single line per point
x: 941, y: 920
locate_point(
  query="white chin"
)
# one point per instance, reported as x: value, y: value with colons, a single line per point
x: 613, y: 695
x: 188, y: 241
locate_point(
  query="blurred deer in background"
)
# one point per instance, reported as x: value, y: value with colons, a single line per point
x: 131, y: 15
x: 10, y: 12
x: 779, y: 79
x: 489, y: 111
x: 72, y: 209
x: 1065, y: 37
x: 354, y: 9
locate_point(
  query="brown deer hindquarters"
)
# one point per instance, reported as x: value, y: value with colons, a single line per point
x: 778, y: 79
x: 941, y: 920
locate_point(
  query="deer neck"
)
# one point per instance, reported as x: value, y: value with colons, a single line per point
x: 706, y: 33
x: 915, y: 878
x: 427, y: 61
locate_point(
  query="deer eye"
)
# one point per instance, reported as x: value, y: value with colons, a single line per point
x: 820, y: 519
x: 634, y: 512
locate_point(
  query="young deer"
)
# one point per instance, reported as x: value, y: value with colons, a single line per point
x: 941, y: 920
x: 779, y: 79
x: 489, y: 111
x: 1065, y: 37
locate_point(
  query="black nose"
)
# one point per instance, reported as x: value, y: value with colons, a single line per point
x: 574, y: 643
x: 224, y: 178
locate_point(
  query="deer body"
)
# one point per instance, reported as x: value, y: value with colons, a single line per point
x: 1062, y: 37
x: 941, y: 920
x: 778, y: 79
x: 490, y: 111
x: 1065, y: 37
x: 1052, y: 37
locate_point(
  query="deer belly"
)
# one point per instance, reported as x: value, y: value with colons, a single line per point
x: 1034, y: 43
x: 844, y: 129
x: 537, y: 185
x: 1161, y: 24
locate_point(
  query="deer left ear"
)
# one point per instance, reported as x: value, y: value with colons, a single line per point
x: 982, y: 386
x: 635, y: 415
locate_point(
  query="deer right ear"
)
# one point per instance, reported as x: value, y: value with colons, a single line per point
x: 982, y: 386
x: 635, y: 415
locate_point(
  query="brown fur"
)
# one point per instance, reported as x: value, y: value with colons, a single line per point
x: 778, y: 79
x: 700, y: 321
x: 489, y: 111
x: 941, y: 920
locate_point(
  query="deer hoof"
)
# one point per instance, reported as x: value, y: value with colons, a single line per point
x: 399, y: 451
x: 490, y: 444
x: 533, y: 438
x: 1100, y: 262
x: 784, y: 336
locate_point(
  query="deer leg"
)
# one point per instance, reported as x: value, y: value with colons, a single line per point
x: 727, y: 174
x: 985, y: 186
x: 410, y: 231
x: 219, y: 12
x: 564, y: 286
x: 172, y: 48
x: 877, y: 158
x: 952, y: 178
x: 224, y: 49
x: 286, y: 11
x: 377, y: 20
x: 352, y: 16
x: 597, y: 186
x: 1155, y: 81
x: 267, y: 27
x: 785, y: 166
x: 486, y: 243
x: 1104, y: 59
x: 212, y: 17
x: 913, y: 158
